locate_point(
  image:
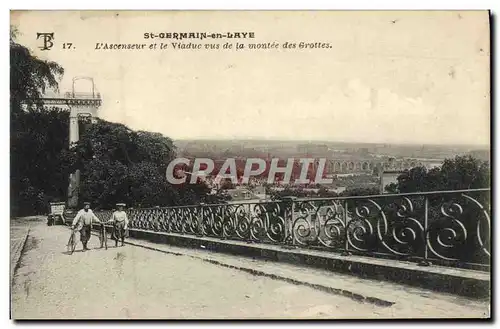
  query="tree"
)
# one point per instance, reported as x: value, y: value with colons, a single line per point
x: 29, y: 76
x: 121, y: 165
x: 40, y: 161
x: 360, y: 192
x: 460, y: 173
x: 116, y: 163
x: 227, y: 184
x: 392, y: 188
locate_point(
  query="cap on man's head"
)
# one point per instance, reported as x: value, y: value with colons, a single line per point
x: 120, y: 204
x: 86, y: 203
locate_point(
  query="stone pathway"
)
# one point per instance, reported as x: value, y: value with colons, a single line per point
x: 407, y: 302
x: 133, y: 282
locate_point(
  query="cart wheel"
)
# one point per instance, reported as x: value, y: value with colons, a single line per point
x: 105, y: 238
x: 72, y: 243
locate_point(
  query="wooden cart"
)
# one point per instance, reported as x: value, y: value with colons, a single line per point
x: 56, y: 215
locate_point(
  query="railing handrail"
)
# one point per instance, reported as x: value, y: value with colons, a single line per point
x: 421, y: 230
x: 394, y: 195
x: 389, y: 195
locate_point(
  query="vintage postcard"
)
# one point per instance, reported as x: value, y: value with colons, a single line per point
x: 250, y: 164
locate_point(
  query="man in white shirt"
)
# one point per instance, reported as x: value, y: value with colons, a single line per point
x: 83, y: 222
x: 120, y: 224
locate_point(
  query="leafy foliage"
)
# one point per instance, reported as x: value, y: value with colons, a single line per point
x: 121, y: 165
x: 461, y: 173
x: 321, y: 192
x: 227, y: 184
x: 39, y: 159
x: 29, y: 76
x: 116, y: 163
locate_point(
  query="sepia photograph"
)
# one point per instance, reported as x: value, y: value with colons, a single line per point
x: 250, y: 165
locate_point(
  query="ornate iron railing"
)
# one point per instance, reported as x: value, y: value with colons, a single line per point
x: 445, y: 227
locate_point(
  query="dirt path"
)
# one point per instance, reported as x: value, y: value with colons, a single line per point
x: 132, y: 282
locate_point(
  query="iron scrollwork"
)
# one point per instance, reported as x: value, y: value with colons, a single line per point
x: 450, y: 226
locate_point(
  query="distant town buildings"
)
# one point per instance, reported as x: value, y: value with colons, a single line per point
x: 312, y: 149
x: 245, y: 195
x: 350, y: 165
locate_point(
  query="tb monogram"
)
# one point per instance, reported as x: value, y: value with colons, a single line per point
x: 47, y: 40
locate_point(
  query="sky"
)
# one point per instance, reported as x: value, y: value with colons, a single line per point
x: 389, y: 77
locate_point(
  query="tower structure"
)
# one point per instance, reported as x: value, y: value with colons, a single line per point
x: 82, y: 106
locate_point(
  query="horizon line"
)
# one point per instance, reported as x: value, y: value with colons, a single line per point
x: 488, y: 146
